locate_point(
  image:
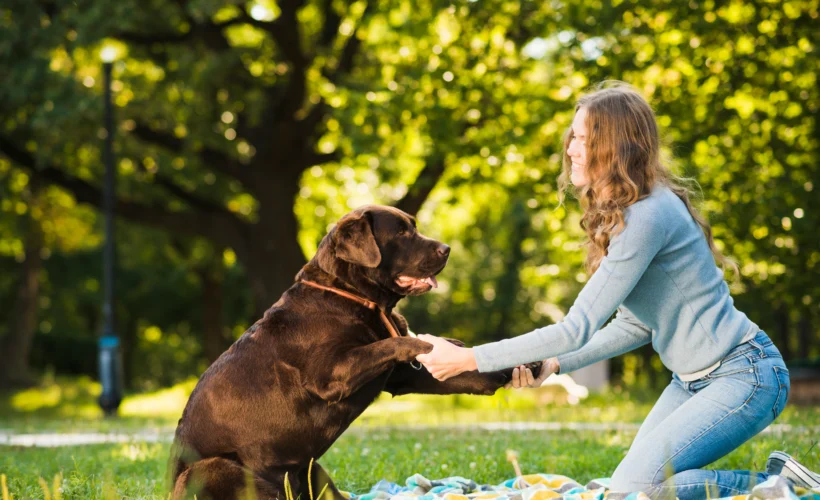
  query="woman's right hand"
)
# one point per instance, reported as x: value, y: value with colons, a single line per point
x: 522, y: 376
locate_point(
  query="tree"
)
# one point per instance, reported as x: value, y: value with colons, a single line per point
x: 249, y: 127
x: 735, y: 92
x: 35, y: 222
x: 226, y: 106
x: 16, y: 346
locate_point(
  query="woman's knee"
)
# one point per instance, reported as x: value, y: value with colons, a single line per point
x: 697, y: 483
x: 634, y: 474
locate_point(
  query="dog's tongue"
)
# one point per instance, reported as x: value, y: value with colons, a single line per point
x: 431, y: 281
x: 408, y: 281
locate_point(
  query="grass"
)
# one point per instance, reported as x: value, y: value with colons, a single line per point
x: 66, y: 405
x: 362, y: 457
x: 366, y: 453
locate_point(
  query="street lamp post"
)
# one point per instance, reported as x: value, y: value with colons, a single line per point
x: 110, y: 357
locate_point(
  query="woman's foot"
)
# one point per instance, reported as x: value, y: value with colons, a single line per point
x: 782, y: 464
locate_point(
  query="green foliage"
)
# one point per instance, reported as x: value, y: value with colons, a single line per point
x: 481, y: 90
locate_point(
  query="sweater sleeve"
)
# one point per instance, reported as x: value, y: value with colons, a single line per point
x: 629, y: 254
x: 622, y: 334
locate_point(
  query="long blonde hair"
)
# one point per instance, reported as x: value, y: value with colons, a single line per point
x: 624, y: 162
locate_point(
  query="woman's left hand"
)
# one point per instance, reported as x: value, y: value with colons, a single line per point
x: 446, y: 360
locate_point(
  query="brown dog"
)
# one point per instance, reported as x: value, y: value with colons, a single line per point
x: 290, y: 386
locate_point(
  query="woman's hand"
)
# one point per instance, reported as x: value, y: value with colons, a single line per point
x: 446, y: 360
x: 522, y: 376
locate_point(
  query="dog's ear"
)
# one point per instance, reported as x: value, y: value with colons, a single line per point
x: 355, y: 242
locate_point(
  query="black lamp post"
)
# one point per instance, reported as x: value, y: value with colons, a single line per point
x: 110, y: 357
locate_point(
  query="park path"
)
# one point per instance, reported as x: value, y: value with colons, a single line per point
x: 48, y: 439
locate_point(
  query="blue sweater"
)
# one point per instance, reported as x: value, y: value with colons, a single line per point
x: 661, y: 277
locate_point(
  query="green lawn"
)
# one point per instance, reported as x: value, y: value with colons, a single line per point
x: 364, y: 456
x: 368, y: 452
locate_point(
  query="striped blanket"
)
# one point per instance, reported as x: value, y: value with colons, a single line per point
x: 544, y: 487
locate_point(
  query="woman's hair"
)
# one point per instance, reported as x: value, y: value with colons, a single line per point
x: 624, y: 161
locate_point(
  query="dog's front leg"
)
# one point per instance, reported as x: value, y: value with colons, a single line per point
x: 358, y: 366
x: 407, y: 380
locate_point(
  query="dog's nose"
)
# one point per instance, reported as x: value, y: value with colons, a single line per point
x: 443, y: 250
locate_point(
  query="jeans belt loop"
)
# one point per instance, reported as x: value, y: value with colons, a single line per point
x: 759, y: 348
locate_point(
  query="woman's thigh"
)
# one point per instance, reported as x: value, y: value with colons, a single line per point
x: 671, y: 399
x: 726, y: 408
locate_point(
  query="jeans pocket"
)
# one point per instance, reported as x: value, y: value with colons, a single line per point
x: 740, y: 367
x: 781, y: 374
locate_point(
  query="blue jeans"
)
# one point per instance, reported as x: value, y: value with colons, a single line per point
x: 695, y: 423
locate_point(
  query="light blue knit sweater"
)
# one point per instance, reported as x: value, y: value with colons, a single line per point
x: 661, y: 277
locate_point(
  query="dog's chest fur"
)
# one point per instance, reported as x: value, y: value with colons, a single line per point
x: 257, y: 387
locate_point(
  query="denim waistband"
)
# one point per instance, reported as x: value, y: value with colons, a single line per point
x: 759, y: 343
x: 760, y: 340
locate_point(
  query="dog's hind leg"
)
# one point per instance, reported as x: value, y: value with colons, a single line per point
x: 220, y: 478
x: 320, y: 484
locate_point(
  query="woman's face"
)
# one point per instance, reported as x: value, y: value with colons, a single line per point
x: 577, y: 150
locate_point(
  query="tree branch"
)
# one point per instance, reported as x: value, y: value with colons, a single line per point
x: 331, y: 25
x: 343, y: 66
x: 314, y: 117
x: 285, y: 33
x: 322, y: 158
x: 202, y: 29
x: 212, y: 158
x: 285, y: 99
x: 425, y: 182
x: 289, y: 41
x: 428, y: 178
x: 164, y: 139
x: 150, y: 39
x: 188, y: 197
x: 223, y: 228
x: 349, y: 51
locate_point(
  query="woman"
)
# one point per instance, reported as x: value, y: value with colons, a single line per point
x: 651, y: 257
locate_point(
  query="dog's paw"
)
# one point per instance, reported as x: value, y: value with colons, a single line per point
x: 455, y: 342
x: 535, y: 368
x: 503, y: 376
x: 413, y: 348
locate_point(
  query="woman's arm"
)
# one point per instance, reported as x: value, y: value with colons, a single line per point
x: 621, y: 335
x: 629, y: 254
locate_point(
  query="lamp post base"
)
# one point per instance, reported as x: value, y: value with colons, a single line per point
x: 110, y: 359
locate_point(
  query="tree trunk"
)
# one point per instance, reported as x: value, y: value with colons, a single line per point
x: 272, y: 254
x: 782, y: 326
x: 509, y: 283
x: 129, y: 350
x: 16, y: 346
x: 272, y: 267
x: 805, y: 335
x: 213, y: 324
x: 646, y: 353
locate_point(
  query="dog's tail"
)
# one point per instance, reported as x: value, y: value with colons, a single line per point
x: 176, y: 465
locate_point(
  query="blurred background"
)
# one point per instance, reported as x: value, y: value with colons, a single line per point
x: 243, y: 130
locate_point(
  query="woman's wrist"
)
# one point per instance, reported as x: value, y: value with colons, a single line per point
x: 469, y: 360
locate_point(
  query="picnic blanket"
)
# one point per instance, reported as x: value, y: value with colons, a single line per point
x: 545, y: 487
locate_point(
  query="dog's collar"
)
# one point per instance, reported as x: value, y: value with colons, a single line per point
x: 361, y: 300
